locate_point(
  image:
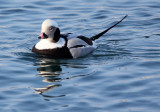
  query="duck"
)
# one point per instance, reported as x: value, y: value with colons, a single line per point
x: 55, y: 44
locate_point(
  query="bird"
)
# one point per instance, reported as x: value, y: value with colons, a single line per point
x: 54, y: 44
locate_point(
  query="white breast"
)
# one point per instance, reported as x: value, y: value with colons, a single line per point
x: 46, y: 44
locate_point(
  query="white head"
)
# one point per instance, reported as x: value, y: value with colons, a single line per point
x: 50, y: 31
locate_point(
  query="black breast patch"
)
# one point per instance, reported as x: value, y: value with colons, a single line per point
x: 62, y: 52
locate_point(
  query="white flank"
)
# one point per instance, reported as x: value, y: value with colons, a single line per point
x: 80, y: 51
x: 75, y: 41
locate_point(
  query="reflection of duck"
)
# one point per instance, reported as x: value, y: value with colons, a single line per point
x: 46, y: 89
x: 49, y: 69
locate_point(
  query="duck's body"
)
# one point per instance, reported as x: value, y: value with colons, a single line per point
x: 69, y: 45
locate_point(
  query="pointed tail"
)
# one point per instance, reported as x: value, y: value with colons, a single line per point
x: 100, y: 34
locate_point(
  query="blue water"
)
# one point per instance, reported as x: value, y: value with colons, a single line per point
x: 121, y: 75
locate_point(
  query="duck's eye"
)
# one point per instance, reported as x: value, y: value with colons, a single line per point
x: 51, y: 28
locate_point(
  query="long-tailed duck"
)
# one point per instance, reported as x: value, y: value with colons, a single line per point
x: 69, y: 45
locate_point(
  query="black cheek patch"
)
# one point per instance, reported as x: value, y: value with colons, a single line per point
x: 45, y: 36
x: 56, y: 35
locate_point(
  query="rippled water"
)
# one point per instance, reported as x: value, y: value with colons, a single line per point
x: 122, y: 75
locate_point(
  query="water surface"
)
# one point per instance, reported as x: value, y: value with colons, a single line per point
x: 121, y: 75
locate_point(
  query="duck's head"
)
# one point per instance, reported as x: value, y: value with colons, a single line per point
x: 50, y: 31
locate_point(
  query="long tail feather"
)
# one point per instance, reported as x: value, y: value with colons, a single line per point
x: 100, y: 34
